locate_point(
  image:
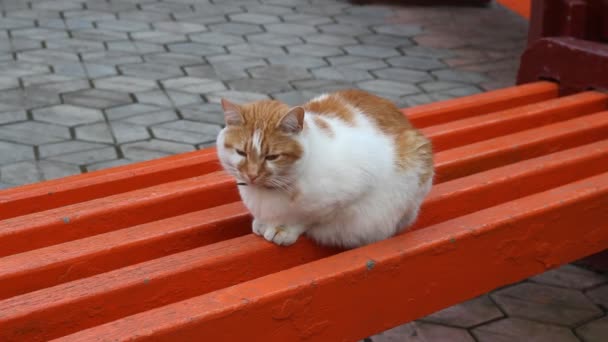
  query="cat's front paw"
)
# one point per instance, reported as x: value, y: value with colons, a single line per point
x: 258, y: 227
x: 282, y: 235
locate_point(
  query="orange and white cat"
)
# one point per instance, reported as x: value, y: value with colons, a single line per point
x: 346, y: 168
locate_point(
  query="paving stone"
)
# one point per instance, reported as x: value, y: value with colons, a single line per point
x: 402, y: 75
x: 75, y: 45
x: 43, y: 56
x: 175, y: 59
x: 70, y: 24
x: 417, y: 63
x: 254, y: 18
x: 11, y: 152
x: 434, y: 86
x: 572, y: 277
x: 546, y: 304
x: 267, y: 9
x: 98, y: 70
x: 196, y: 48
x: 399, y: 30
x: 17, y: 45
x: 125, y: 84
x: 236, y: 96
x: 341, y: 73
x: 39, y: 33
x: 179, y: 28
x: 344, y: 29
x: 360, y: 19
x: 15, y: 23
x: 87, y: 157
x: 185, y: 131
x: 152, y: 149
x: 144, y: 16
x: 169, y: 98
x: 12, y: 116
x: 208, y: 112
x: 217, y: 38
x: 158, y: 37
x: 595, y: 331
x: 371, y: 51
x: 297, y: 61
x: 152, y: 118
x: 423, y: 332
x: 599, y: 295
x: 467, y: 314
x: 111, y: 57
x: 256, y: 50
x: 279, y: 72
x: 514, y: 329
x: 56, y: 149
x: 315, y: 50
x: 97, y: 132
x: 68, y: 115
x: 99, y: 35
x: 151, y: 71
x: 275, y: 39
x: 294, y: 98
x: 330, y: 39
x: 194, y: 85
x: 136, y: 47
x: 28, y: 98
x: 18, y: 69
x: 128, y: 132
x: 8, y: 82
x: 97, y: 98
x: 425, y: 51
x: 291, y: 29
x: 236, y: 28
x: 33, y: 133
x: 459, y: 76
x: 388, y: 87
x: 53, y: 170
x: 108, y: 164
x: 123, y: 26
x: 259, y: 85
x: 385, y: 40
x: 321, y: 85
x: 121, y: 112
x: 20, y: 173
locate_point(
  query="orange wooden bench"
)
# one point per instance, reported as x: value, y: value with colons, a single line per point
x: 162, y: 250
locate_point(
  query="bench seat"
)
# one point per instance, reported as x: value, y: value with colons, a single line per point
x: 162, y: 250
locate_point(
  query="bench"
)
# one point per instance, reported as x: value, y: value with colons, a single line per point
x: 162, y: 250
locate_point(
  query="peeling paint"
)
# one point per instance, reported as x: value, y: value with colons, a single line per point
x: 370, y: 265
x: 66, y: 219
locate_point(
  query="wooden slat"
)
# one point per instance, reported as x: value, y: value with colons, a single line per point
x: 445, y: 111
x: 467, y: 131
x: 101, y: 215
x: 363, y: 291
x: 55, y: 309
x: 69, y: 190
x: 84, y: 187
x: 512, y: 148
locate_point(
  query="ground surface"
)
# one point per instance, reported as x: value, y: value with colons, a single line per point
x: 86, y: 85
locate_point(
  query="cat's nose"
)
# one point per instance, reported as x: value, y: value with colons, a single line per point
x: 252, y: 176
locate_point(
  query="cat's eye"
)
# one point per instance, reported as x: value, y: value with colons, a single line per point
x: 241, y: 153
x: 272, y: 157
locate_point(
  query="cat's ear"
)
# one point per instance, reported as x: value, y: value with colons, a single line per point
x: 232, y: 113
x: 293, y: 121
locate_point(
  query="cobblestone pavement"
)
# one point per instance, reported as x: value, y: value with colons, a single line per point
x: 86, y: 85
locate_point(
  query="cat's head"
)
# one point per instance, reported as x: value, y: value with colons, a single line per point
x: 260, y: 144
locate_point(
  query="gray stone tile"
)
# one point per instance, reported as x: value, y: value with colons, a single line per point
x: 402, y: 75
x: 546, y: 304
x: 360, y: 19
x: 572, y: 277
x: 341, y: 73
x: 99, y: 35
x: 468, y: 314
x: 196, y: 48
x: 315, y: 50
x: 371, y: 51
x: 185, y: 131
x: 280, y: 73
x: 68, y: 115
x: 514, y: 329
x: 56, y: 149
x: 152, y: 149
x: 236, y: 96
x: 399, y: 30
x: 151, y: 118
x: 330, y: 39
x: 416, y: 63
x: 236, y: 28
x: 217, y: 38
x: 294, y: 98
x: 151, y: 71
x: 11, y: 152
x: 388, y: 87
x: 194, y: 85
x: 297, y: 61
x: 44, y: 56
x: 434, y: 86
x: 97, y: 98
x: 344, y: 29
x: 39, y: 33
x: 291, y: 29
x: 108, y: 164
x: 307, y: 19
x: 599, y: 295
x: 208, y: 112
x: 33, y: 133
x: 20, y: 173
x: 98, y: 132
x: 15, y: 23
x: 425, y: 51
x: 254, y: 18
x: 18, y: 69
x: 123, y: 26
x: 128, y: 132
x: 267, y: 9
x: 135, y: 47
x: 125, y: 84
x: 321, y: 85
x: 75, y: 45
x: 12, y: 116
x: 53, y: 170
x: 8, y: 82
x: 117, y: 113
x: 87, y: 157
x: 169, y: 98
x: 28, y: 98
x: 256, y: 50
x: 179, y: 27
x: 595, y: 331
x: 385, y: 40
x: 275, y: 39
x: 158, y: 37
x: 144, y: 16
x: 459, y: 76
x: 17, y: 45
x: 259, y: 85
x: 175, y: 59
x: 423, y: 332
x: 37, y: 80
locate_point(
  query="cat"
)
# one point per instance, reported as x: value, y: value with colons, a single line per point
x: 346, y: 168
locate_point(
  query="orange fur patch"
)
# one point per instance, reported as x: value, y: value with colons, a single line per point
x: 331, y: 106
x: 323, y: 125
